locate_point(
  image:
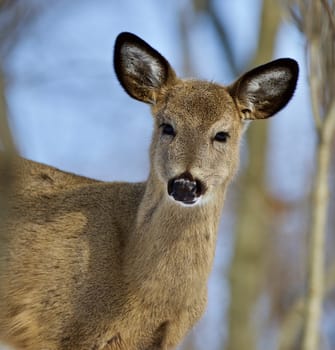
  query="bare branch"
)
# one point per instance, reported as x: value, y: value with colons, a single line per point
x: 317, y: 23
x: 221, y: 30
x: 315, y: 19
x: 293, y: 321
x: 330, y: 14
x: 252, y: 228
x: 6, y: 157
x: 315, y: 86
x: 207, y: 7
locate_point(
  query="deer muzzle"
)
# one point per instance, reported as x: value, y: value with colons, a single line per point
x: 185, y: 189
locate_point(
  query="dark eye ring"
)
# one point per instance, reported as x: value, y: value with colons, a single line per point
x: 167, y: 129
x: 222, y: 136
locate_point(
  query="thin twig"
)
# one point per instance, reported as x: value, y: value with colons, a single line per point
x: 329, y: 124
x: 220, y: 29
x: 5, y: 134
x: 318, y: 229
x: 318, y: 26
x: 296, y: 19
x: 330, y: 14
x: 293, y: 321
x: 314, y: 82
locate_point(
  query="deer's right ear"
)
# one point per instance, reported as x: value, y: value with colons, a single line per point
x: 142, y: 71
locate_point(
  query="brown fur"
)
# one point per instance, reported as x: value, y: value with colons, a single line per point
x: 92, y: 265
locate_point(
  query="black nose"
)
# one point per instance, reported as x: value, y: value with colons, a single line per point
x: 185, y: 188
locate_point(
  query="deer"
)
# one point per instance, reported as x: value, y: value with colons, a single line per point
x: 94, y: 265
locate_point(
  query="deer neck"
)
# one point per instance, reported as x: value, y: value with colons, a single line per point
x: 168, y: 236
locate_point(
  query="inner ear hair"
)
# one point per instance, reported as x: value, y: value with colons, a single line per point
x: 263, y: 91
x: 141, y: 70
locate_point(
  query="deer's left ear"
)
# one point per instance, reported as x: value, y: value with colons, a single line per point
x: 265, y: 90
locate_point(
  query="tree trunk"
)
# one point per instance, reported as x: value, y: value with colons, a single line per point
x: 247, y: 269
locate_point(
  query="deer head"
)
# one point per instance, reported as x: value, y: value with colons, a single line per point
x: 198, y: 124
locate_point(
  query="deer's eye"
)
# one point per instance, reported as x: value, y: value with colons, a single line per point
x: 222, y: 136
x: 167, y: 129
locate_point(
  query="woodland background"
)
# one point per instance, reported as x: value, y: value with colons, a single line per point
x: 273, y: 283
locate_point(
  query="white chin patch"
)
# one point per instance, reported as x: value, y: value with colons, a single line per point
x: 197, y: 201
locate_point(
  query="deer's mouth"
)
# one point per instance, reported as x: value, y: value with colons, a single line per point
x: 185, y: 189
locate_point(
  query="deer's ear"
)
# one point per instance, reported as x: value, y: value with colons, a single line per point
x: 142, y: 71
x: 265, y: 90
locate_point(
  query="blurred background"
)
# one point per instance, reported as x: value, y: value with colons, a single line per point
x: 65, y: 108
